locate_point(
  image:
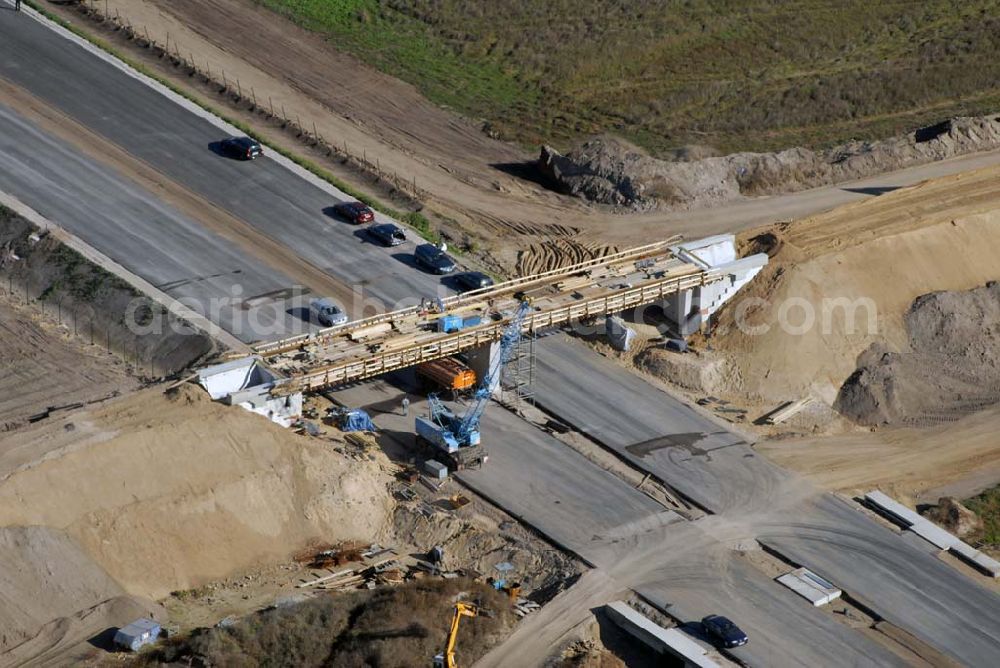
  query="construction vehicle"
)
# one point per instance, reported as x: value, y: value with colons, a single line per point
x: 447, y: 374
x: 458, y: 437
x: 446, y: 659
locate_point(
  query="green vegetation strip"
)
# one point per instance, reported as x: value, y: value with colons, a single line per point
x: 415, y: 219
x: 987, y: 506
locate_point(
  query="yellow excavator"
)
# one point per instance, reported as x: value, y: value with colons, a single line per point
x: 462, y: 609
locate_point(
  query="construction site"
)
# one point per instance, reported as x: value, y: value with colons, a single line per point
x: 240, y: 427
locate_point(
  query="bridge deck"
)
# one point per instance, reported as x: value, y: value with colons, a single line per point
x: 374, y: 346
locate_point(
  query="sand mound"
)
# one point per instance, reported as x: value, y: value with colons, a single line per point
x: 169, y: 493
x: 951, y: 367
x: 841, y: 281
x: 609, y: 170
x: 34, y: 560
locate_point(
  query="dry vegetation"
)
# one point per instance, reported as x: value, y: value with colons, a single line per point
x: 734, y: 74
x: 402, y: 626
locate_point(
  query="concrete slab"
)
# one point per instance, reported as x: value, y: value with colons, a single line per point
x: 905, y: 585
x: 708, y: 464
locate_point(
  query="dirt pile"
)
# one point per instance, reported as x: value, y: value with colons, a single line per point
x: 167, y: 493
x: 48, y: 586
x: 843, y: 280
x: 611, y: 171
x: 951, y: 366
x: 956, y: 518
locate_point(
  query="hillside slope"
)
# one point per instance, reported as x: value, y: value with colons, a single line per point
x: 841, y: 281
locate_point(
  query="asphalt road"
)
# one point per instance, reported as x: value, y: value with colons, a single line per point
x: 683, y: 567
x: 137, y: 229
x: 709, y: 465
x: 904, y: 584
x: 784, y: 629
x: 177, y: 143
x: 899, y: 578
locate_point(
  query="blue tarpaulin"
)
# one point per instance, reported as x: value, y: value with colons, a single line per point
x: 357, y: 420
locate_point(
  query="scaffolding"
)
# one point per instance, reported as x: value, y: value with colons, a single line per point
x: 518, y: 378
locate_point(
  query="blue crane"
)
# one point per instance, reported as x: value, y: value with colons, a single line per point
x: 458, y: 436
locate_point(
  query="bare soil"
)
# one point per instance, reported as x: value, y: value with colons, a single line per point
x: 838, y: 282
x: 45, y: 366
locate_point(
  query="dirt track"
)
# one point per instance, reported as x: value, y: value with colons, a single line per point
x: 905, y: 463
x: 45, y: 366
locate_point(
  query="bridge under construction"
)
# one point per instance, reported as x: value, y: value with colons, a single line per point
x: 688, y: 279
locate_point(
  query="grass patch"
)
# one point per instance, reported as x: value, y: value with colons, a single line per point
x: 987, y: 506
x: 734, y: 74
x: 390, y: 626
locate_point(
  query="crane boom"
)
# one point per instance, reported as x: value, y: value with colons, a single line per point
x: 470, y: 421
x: 455, y: 434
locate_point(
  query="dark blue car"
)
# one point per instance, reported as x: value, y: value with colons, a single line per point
x: 434, y: 259
x: 723, y: 630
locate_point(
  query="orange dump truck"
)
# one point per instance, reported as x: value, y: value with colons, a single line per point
x: 447, y: 374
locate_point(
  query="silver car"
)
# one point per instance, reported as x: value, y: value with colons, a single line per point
x: 327, y: 312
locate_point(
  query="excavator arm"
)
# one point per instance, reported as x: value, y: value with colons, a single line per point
x: 461, y: 610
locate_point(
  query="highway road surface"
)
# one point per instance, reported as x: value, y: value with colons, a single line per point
x: 178, y: 144
x: 689, y: 569
x: 902, y: 583
x: 708, y: 464
x: 135, y: 227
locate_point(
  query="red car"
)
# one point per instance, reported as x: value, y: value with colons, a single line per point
x: 355, y: 212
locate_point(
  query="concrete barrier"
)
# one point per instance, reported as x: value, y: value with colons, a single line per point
x: 656, y: 637
x: 932, y: 533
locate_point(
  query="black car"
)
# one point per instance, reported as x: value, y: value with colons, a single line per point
x: 241, y: 148
x: 355, y: 212
x: 473, y: 280
x: 434, y: 259
x: 388, y: 234
x: 725, y: 631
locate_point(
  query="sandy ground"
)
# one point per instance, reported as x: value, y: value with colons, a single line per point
x: 45, y: 365
x: 167, y: 492
x: 842, y: 280
x: 910, y: 464
x: 150, y: 494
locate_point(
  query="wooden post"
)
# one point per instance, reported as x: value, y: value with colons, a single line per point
x: 252, y: 92
x: 270, y: 104
x: 239, y: 88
